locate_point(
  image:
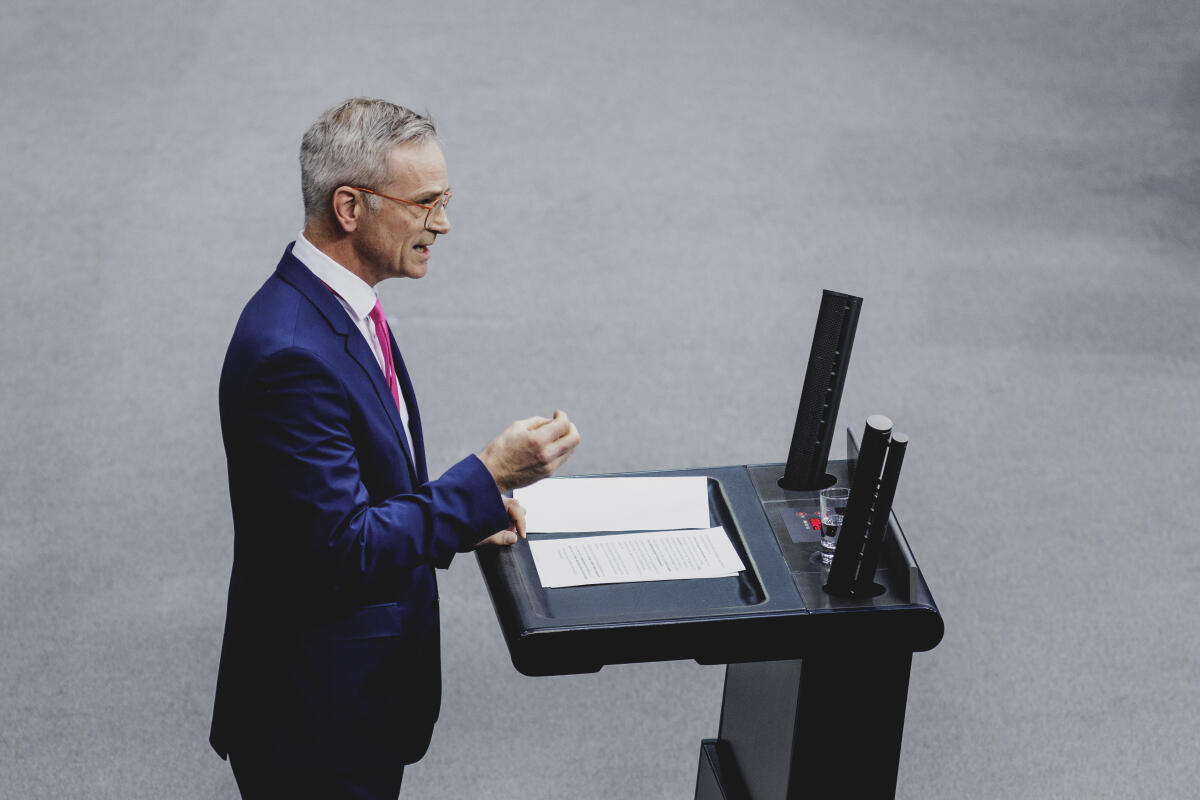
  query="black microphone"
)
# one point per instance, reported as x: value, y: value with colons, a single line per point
x: 859, y: 505
x: 822, y: 392
x: 865, y: 584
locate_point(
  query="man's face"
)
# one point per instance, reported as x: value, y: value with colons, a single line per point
x: 394, y: 242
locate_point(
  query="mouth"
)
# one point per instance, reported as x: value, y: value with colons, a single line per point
x: 423, y: 248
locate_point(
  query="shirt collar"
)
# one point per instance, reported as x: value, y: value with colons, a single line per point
x: 356, y: 294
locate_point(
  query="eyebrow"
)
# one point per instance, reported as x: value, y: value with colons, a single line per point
x: 431, y: 195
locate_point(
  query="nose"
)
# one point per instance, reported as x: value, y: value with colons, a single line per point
x: 439, y: 221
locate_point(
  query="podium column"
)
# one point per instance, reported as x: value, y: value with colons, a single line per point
x: 828, y: 725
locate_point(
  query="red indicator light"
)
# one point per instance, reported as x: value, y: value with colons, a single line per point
x: 815, y: 523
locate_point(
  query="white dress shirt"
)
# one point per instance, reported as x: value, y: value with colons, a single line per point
x: 358, y: 298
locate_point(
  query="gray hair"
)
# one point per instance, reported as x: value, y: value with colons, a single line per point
x: 349, y: 145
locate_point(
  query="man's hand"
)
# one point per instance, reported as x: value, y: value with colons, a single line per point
x: 516, y: 513
x: 529, y: 450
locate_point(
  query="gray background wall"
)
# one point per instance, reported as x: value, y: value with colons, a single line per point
x: 649, y: 198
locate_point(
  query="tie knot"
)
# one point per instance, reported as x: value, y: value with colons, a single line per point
x: 377, y: 312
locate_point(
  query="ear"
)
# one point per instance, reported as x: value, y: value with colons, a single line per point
x: 347, y: 208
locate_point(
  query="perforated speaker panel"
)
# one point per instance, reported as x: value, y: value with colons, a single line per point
x: 828, y: 360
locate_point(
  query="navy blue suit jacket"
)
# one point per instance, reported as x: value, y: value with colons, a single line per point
x: 331, y: 649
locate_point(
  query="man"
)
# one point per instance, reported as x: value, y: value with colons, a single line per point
x: 330, y: 676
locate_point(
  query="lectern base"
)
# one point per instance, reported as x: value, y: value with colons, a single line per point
x: 818, y: 727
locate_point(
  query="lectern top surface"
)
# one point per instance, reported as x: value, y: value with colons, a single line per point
x: 775, y: 609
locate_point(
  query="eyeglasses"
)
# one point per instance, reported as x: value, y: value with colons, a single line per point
x: 430, y: 209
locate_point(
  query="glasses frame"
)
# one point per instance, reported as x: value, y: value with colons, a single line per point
x: 441, y: 202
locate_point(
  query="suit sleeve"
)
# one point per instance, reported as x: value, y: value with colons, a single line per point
x: 300, y: 449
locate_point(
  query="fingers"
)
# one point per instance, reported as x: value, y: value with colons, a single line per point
x: 508, y: 536
x: 555, y: 429
x: 516, y: 512
x: 558, y: 450
x: 499, y: 539
x: 566, y: 444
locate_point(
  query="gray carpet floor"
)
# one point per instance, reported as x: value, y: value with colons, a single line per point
x: 649, y: 198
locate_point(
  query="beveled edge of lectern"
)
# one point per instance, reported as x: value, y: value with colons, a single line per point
x: 771, y: 612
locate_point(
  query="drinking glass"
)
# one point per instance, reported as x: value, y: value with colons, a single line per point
x: 833, y: 508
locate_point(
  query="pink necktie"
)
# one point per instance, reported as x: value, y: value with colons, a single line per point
x: 385, y: 344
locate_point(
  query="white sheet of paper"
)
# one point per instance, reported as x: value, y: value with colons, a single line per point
x: 629, y: 557
x: 584, y: 505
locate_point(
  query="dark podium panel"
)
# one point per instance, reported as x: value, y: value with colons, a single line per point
x: 816, y: 687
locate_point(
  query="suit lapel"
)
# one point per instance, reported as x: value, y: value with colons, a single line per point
x: 301, y: 277
x: 414, y: 414
x: 360, y: 351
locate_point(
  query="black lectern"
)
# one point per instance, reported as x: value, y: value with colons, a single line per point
x: 816, y: 686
